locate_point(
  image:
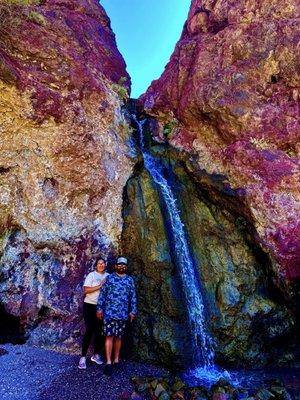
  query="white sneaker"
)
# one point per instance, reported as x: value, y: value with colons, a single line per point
x: 82, y: 363
x: 97, y: 359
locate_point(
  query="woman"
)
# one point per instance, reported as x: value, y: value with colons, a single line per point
x: 93, y: 326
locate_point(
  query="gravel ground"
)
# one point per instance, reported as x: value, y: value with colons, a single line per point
x: 30, y: 373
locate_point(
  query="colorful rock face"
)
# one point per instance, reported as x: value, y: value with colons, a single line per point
x: 230, y: 98
x: 64, y: 158
x: 250, y: 327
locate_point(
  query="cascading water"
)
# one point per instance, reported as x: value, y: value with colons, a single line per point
x: 202, y: 344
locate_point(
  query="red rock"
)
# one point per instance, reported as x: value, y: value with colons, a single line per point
x: 60, y: 58
x: 64, y: 159
x: 232, y: 84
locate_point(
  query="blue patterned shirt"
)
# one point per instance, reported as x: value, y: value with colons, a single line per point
x: 117, y: 297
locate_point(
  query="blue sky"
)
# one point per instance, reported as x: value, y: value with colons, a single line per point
x: 146, y: 33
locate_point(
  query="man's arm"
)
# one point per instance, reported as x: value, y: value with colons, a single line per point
x: 101, y: 301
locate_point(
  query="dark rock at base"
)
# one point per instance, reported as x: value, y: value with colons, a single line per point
x: 165, y: 389
x: 264, y: 394
x: 280, y: 393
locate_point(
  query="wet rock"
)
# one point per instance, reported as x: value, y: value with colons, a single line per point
x: 230, y: 269
x: 198, y: 394
x: 222, y: 390
x: 172, y: 387
x: 280, y: 392
x: 178, y: 385
x: 160, y: 389
x: 236, y: 110
x: 164, y: 396
x: 142, y: 387
x: 179, y: 395
x: 228, y: 293
x: 264, y: 394
x: 242, y: 394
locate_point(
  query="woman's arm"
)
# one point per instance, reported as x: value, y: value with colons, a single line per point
x: 91, y: 289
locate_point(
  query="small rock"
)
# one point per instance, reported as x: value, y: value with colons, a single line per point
x: 198, y: 394
x: 280, y: 393
x: 220, y: 396
x: 142, y: 387
x: 164, y: 396
x: 159, y: 389
x: 134, y: 380
x: 178, y: 395
x: 242, y: 395
x: 264, y: 394
x: 3, y: 351
x: 178, y: 385
x: 136, y: 396
x: 154, y: 383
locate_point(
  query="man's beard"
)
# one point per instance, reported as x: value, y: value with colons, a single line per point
x: 121, y: 271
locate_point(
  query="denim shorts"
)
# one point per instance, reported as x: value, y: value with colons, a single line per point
x: 114, y: 327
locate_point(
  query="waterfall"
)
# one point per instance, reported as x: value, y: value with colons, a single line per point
x: 200, y: 339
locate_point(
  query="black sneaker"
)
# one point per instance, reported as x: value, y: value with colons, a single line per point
x: 117, y: 366
x: 108, y: 369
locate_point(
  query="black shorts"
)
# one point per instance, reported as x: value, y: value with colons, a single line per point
x: 114, y: 327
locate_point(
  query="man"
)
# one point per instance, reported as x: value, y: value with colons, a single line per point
x: 93, y: 327
x: 116, y: 305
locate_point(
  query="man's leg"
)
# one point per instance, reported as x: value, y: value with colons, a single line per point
x: 120, y: 329
x: 117, y: 348
x: 108, y: 351
x: 108, y: 348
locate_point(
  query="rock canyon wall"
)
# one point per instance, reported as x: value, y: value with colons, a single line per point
x: 229, y: 101
x: 230, y: 98
x: 64, y: 158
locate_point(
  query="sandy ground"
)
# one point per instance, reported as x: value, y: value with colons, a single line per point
x: 30, y: 373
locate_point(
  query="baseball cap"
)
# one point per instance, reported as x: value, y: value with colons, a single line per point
x: 122, y: 260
